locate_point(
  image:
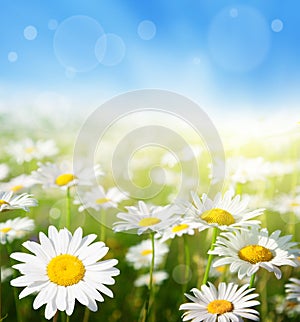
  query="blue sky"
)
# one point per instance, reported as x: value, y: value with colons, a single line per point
x: 226, y: 55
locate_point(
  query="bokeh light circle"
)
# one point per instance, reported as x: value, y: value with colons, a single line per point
x: 146, y: 30
x: 52, y: 24
x: 30, y: 33
x: 110, y: 49
x: 277, y: 25
x: 70, y: 73
x: 12, y: 56
x: 182, y: 274
x: 239, y: 39
x: 234, y: 12
x: 74, y: 43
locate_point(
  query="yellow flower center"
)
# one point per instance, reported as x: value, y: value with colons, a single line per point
x: 101, y: 201
x: 219, y: 307
x: 221, y: 269
x: 255, y: 254
x: 64, y: 179
x: 5, y: 230
x: 294, y: 204
x: 3, y: 202
x: 218, y: 216
x: 65, y: 270
x: 149, y: 221
x: 146, y: 252
x: 180, y: 227
x: 16, y: 188
x: 30, y: 149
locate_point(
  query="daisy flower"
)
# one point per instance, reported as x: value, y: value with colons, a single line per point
x: 141, y: 255
x: 146, y: 218
x: 62, y: 176
x: 4, y: 171
x: 225, y: 213
x: 247, y: 251
x: 15, y: 229
x: 179, y: 228
x: 10, y: 202
x: 293, y: 289
x: 18, y: 184
x: 225, y: 304
x: 98, y: 199
x: 64, y: 268
x: 277, y: 168
x: 289, y: 308
x: 27, y: 150
x: 239, y: 170
x: 287, y: 203
x: 157, y: 279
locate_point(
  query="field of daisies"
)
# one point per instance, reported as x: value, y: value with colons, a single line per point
x: 76, y: 246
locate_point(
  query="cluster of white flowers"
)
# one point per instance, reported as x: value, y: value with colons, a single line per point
x: 63, y: 267
x: 66, y: 267
x: 243, y: 245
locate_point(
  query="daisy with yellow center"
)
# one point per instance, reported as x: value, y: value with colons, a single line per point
x: 63, y: 175
x: 293, y: 289
x: 98, y: 199
x: 227, y: 303
x: 9, y: 201
x: 179, y: 229
x: 141, y: 255
x: 146, y: 218
x: 287, y: 203
x: 18, y: 184
x: 247, y: 251
x: 27, y: 150
x: 226, y: 213
x: 15, y: 229
x: 65, y: 268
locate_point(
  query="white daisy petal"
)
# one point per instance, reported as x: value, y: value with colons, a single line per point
x: 70, y: 300
x: 93, y: 253
x: 46, y: 244
x: 50, y: 309
x: 61, y: 298
x: 47, y: 293
x: 76, y: 240
x: 35, y: 287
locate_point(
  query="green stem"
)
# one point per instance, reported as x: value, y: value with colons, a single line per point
x: 68, y: 215
x: 147, y: 304
x: 68, y: 318
x: 16, y: 298
x: 86, y: 315
x: 252, y: 279
x: 103, y: 228
x: 187, y: 259
x: 210, y: 256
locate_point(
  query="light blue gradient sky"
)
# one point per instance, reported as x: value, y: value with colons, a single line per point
x: 223, y: 54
